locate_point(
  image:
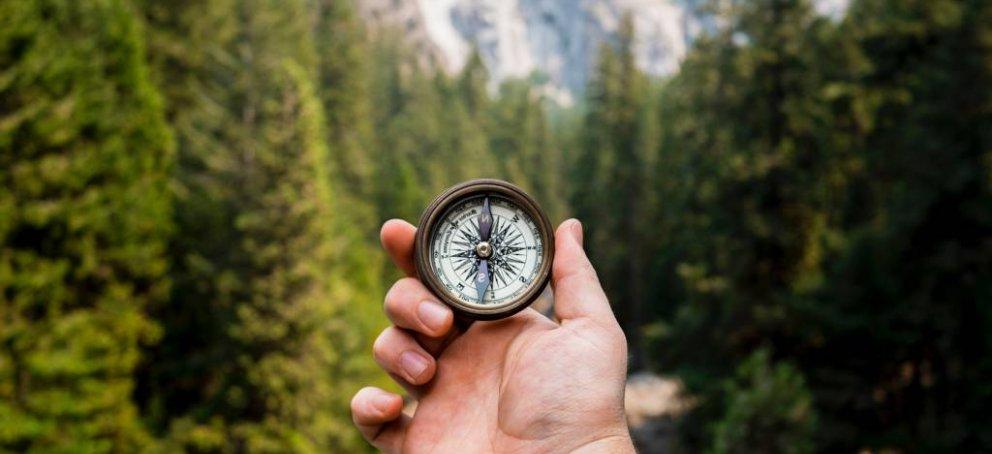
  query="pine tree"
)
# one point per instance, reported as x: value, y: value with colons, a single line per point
x: 610, y: 177
x: 260, y: 345
x: 819, y: 172
x: 745, y: 169
x: 918, y: 220
x: 343, y: 88
x: 420, y: 125
x: 521, y: 143
x: 392, y: 66
x: 463, y: 146
x: 401, y: 197
x: 770, y: 409
x: 472, y: 84
x: 84, y: 214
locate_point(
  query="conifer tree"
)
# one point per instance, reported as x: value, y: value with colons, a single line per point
x: 259, y: 348
x: 918, y: 217
x: 343, y: 87
x: 472, y: 84
x: 816, y: 184
x: 84, y: 215
x: 769, y: 409
x: 743, y: 171
x: 521, y: 143
x: 415, y: 153
x: 402, y: 195
x: 610, y: 177
x: 464, y: 148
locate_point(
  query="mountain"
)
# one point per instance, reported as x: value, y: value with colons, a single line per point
x: 554, y: 40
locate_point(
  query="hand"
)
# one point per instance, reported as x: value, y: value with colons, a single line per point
x: 521, y: 384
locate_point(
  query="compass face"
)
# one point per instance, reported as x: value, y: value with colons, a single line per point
x: 485, y: 248
x: 509, y: 263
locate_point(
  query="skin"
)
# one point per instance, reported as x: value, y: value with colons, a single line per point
x: 521, y: 384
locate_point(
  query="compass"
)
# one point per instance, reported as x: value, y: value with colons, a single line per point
x: 484, y: 247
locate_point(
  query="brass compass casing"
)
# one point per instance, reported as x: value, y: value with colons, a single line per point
x: 428, y: 225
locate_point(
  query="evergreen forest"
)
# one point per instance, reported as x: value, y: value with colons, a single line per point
x: 797, y: 224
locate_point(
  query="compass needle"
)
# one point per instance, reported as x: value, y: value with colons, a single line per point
x: 482, y: 279
x: 485, y: 221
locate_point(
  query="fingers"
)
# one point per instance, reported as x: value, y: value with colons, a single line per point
x: 379, y: 417
x: 577, y: 290
x: 398, y: 353
x: 397, y: 239
x: 410, y: 305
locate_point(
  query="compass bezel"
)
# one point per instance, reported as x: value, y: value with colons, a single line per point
x: 427, y: 226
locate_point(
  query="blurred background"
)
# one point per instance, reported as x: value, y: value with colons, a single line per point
x: 789, y: 203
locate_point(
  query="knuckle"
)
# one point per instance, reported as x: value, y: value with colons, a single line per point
x: 393, y: 291
x: 407, y: 283
x: 396, y: 293
x: 583, y: 267
x: 356, y: 400
x: 577, y: 268
x: 381, y: 344
x: 621, y: 341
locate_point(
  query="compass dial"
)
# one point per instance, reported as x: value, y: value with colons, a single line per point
x: 484, y: 247
x: 513, y: 256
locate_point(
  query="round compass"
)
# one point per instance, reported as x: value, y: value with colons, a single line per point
x: 484, y: 247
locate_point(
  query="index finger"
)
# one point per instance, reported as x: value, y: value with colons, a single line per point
x: 397, y: 238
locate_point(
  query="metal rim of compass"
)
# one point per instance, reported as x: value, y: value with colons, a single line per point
x: 439, y: 207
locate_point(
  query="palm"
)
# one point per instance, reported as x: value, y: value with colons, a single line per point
x: 510, y: 384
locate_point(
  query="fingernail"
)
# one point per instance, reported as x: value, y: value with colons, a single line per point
x: 382, y: 402
x: 414, y: 364
x: 576, y: 228
x: 433, y: 315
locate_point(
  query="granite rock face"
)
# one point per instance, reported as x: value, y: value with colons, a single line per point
x: 406, y: 19
x: 554, y: 41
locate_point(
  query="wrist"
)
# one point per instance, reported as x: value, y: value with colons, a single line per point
x: 619, y: 443
x: 608, y: 438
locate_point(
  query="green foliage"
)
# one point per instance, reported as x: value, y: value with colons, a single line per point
x: 84, y: 215
x: 918, y: 237
x: 261, y: 351
x: 610, y: 179
x: 820, y: 184
x: 521, y: 144
x: 769, y: 409
x: 433, y: 131
x: 811, y: 190
x: 756, y: 170
x: 248, y: 135
x: 343, y: 83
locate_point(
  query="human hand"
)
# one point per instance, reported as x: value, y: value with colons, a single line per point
x: 522, y: 384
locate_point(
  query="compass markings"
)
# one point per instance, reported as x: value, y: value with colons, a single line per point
x: 511, y: 263
x: 497, y: 275
x: 462, y: 264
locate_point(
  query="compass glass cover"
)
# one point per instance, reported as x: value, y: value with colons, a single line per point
x: 511, y: 257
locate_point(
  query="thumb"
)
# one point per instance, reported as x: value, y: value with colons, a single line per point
x: 577, y: 290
